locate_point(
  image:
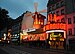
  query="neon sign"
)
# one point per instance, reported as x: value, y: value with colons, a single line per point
x: 53, y: 35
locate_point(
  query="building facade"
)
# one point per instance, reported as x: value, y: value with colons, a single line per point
x: 65, y: 13
x: 16, y: 29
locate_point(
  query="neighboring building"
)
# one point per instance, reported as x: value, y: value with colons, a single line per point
x: 3, y: 35
x: 16, y: 29
x: 65, y: 13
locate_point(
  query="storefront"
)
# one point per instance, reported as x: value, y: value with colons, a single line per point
x: 56, y: 38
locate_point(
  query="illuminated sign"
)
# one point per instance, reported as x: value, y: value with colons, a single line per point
x: 57, y: 33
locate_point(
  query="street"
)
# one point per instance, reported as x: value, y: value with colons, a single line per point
x: 2, y: 51
x: 24, y: 50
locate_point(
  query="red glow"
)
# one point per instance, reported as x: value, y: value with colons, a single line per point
x: 55, y: 26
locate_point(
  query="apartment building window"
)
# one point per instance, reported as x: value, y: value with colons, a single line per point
x: 53, y: 7
x: 57, y: 5
x: 69, y: 31
x: 74, y: 19
x: 74, y: 31
x: 62, y: 11
x: 69, y: 20
x: 63, y: 20
x: 50, y: 8
x: 62, y: 3
x: 57, y: 13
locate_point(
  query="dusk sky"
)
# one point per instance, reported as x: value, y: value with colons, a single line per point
x: 17, y: 7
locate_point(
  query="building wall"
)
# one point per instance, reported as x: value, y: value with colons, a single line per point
x: 69, y: 12
x: 70, y: 26
x: 69, y: 6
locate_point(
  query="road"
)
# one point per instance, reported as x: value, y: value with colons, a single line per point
x: 2, y: 51
x: 24, y: 50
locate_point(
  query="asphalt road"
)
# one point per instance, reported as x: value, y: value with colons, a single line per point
x: 24, y: 50
x: 2, y: 51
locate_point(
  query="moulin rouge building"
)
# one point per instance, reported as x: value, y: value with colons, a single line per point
x: 60, y: 26
x: 65, y: 13
x: 51, y: 35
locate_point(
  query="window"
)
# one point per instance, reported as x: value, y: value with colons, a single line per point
x: 62, y: 11
x: 74, y: 31
x: 74, y: 19
x: 63, y: 20
x: 69, y: 31
x: 53, y: 7
x: 57, y: 5
x: 50, y: 8
x: 62, y: 3
x: 57, y: 13
x: 69, y: 20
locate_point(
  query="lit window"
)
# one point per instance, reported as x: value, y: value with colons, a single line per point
x: 69, y: 31
x: 69, y: 20
x: 74, y: 19
x: 62, y: 11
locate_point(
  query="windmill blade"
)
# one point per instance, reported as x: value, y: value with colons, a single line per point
x: 35, y: 6
x: 43, y: 11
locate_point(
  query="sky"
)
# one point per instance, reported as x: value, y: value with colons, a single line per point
x: 17, y: 7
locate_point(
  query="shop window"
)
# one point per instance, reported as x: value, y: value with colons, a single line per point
x: 62, y: 11
x: 74, y: 19
x: 69, y: 21
x: 69, y: 31
x: 57, y: 13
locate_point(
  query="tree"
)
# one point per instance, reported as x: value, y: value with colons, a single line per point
x: 3, y: 18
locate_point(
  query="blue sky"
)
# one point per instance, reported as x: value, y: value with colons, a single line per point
x: 17, y: 7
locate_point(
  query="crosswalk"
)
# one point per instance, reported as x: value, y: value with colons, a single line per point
x: 13, y: 50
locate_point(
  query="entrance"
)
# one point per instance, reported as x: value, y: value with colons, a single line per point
x: 56, y: 44
x: 56, y: 39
